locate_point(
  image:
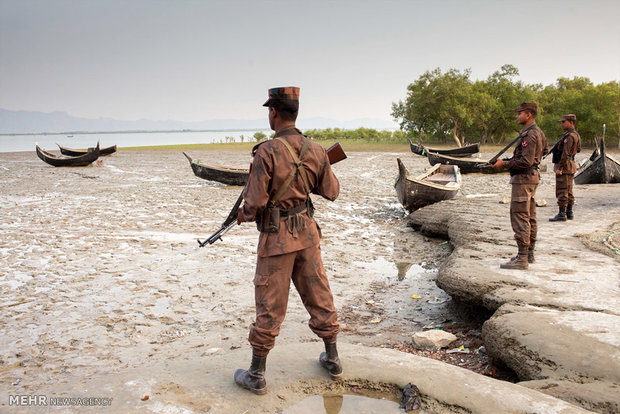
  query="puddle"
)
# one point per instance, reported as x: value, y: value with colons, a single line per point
x: 343, y: 404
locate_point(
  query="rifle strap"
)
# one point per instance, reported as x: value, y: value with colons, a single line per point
x: 298, y: 166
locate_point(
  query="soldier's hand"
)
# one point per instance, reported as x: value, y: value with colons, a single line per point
x: 558, y: 172
x: 498, y: 164
x: 240, y: 215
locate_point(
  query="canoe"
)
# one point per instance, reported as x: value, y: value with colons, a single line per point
x: 74, y: 153
x: 465, y: 151
x: 219, y: 173
x: 440, y: 182
x: 600, y: 168
x: 67, y: 160
x: 465, y: 166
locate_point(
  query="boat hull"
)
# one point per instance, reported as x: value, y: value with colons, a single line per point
x: 600, y: 169
x: 66, y: 160
x: 75, y: 153
x: 221, y: 174
x: 465, y: 151
x: 439, y: 183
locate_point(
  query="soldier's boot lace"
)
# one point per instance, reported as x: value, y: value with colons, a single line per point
x: 253, y: 379
x: 330, y: 361
x: 561, y: 216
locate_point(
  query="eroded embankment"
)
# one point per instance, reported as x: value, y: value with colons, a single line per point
x: 555, y: 324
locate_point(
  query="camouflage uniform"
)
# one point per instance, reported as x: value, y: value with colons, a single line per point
x: 293, y: 251
x: 569, y: 145
x: 525, y: 178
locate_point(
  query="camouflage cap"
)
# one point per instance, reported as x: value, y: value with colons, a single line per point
x: 527, y: 106
x: 287, y: 97
x: 569, y: 117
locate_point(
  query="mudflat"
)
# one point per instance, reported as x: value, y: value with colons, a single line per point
x: 101, y: 275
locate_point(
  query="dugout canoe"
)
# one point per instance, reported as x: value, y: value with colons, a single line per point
x: 219, y: 173
x: 440, y: 182
x: 67, y: 160
x: 465, y: 151
x: 75, y: 153
x: 600, y: 168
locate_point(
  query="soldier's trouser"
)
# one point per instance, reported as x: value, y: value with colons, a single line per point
x: 272, y: 281
x: 564, y: 189
x: 523, y: 214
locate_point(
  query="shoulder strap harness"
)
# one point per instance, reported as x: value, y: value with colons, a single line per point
x: 294, y: 220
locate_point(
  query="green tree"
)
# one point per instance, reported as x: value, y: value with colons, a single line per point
x: 259, y: 136
x: 437, y: 103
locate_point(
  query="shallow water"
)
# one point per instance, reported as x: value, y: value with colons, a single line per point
x: 344, y: 404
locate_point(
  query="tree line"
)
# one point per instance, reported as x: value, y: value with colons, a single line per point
x: 440, y: 107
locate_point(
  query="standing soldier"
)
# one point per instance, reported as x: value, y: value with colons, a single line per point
x: 284, y: 171
x: 564, y: 166
x: 524, y: 177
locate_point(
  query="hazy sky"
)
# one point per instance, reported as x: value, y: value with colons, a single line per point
x: 197, y: 60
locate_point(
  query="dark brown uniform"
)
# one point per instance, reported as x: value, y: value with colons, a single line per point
x: 569, y: 145
x: 293, y: 252
x: 525, y: 178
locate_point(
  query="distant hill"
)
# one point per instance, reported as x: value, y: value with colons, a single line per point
x: 33, y: 122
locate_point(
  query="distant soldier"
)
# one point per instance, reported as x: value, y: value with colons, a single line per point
x: 284, y: 171
x: 524, y: 177
x: 564, y: 166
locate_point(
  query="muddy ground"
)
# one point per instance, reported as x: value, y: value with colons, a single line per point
x: 100, y: 271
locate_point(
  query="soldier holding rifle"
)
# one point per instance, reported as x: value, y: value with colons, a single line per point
x: 524, y: 177
x: 284, y: 171
x: 564, y: 166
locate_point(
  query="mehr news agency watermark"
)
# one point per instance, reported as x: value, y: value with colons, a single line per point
x: 46, y: 401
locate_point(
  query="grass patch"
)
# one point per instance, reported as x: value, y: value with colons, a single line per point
x: 247, y: 146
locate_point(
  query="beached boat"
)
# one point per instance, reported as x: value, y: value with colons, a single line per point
x: 67, y: 160
x: 465, y: 151
x: 219, y: 173
x: 600, y: 168
x: 74, y: 153
x: 465, y: 166
x: 440, y: 182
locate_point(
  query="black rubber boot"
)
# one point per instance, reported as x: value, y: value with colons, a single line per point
x: 569, y: 212
x: 561, y: 215
x: 254, y: 378
x: 330, y: 361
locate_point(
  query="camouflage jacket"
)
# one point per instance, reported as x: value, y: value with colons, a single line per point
x: 571, y: 145
x: 270, y: 167
x: 527, y: 154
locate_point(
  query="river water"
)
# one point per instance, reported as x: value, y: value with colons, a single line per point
x: 13, y: 143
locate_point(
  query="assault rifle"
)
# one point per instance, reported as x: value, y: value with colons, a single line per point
x: 554, y: 147
x: 335, y: 153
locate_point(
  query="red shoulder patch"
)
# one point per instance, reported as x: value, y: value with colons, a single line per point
x: 524, y: 143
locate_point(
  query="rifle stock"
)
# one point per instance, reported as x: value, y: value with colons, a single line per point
x: 335, y: 154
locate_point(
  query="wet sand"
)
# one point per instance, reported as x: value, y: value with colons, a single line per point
x: 100, y: 272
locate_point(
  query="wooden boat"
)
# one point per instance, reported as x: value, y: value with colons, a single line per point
x: 441, y: 182
x: 465, y: 166
x: 67, y: 160
x: 600, y: 168
x: 465, y: 151
x: 219, y: 173
x: 74, y: 153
